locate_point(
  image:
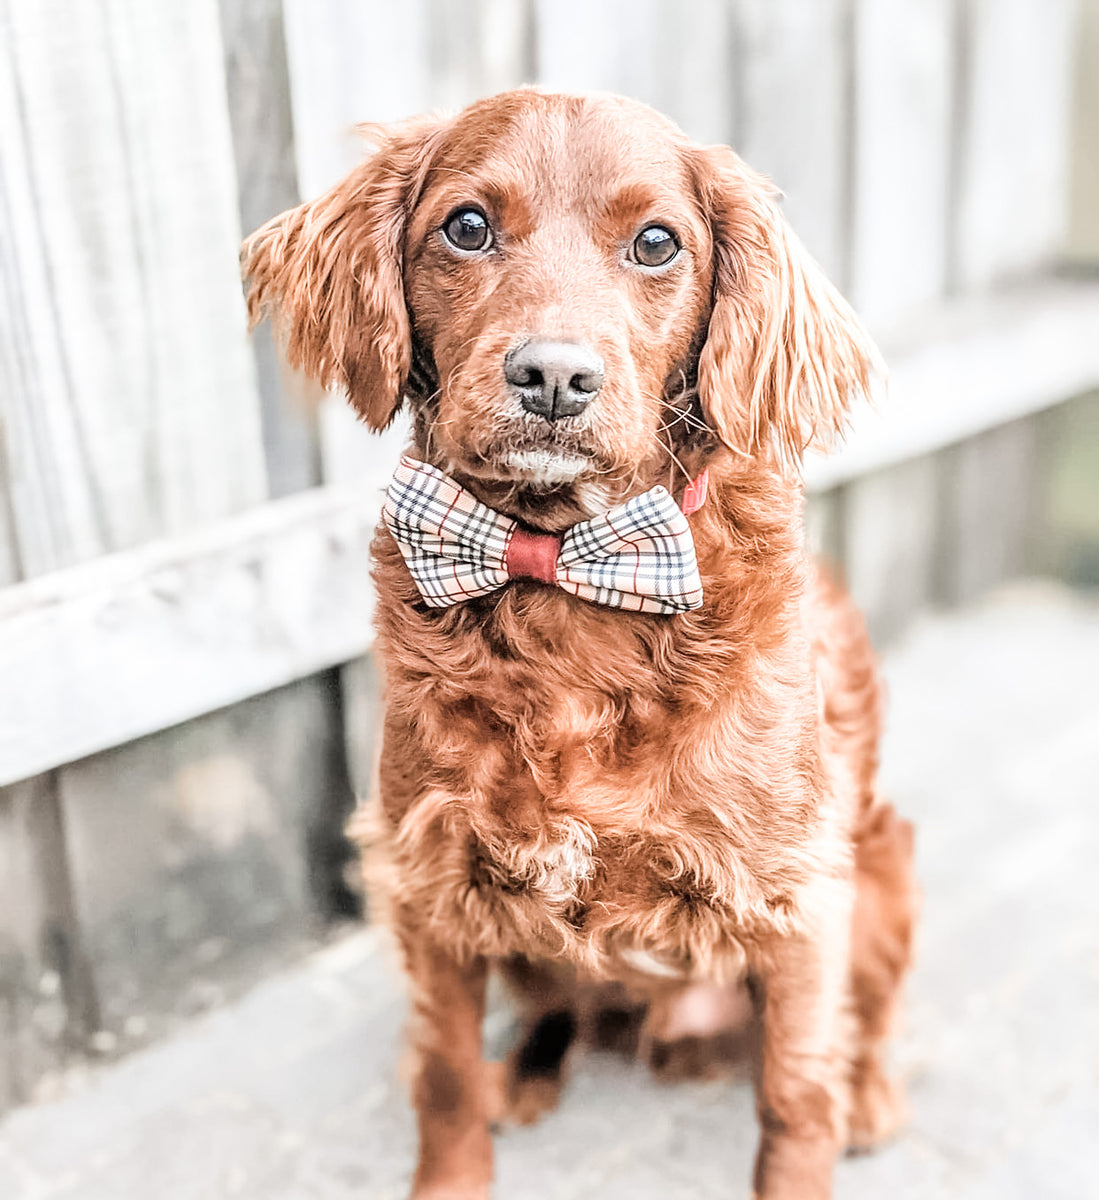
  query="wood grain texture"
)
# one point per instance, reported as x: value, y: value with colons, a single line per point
x: 127, y: 390
x: 47, y: 1006
x: 678, y: 58
x: 794, y: 123
x: 258, y: 90
x: 201, y: 851
x: 1014, y: 166
x: 890, y: 538
x: 990, y: 494
x: 977, y: 363
x: 1083, y: 237
x: 135, y: 642
x: 903, y: 80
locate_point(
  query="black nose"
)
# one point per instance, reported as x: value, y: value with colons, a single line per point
x: 554, y: 379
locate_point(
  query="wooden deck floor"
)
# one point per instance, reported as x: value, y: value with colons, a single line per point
x: 293, y: 1093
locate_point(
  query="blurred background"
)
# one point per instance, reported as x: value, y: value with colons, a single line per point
x: 187, y: 697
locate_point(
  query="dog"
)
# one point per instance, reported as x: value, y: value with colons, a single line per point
x: 641, y: 781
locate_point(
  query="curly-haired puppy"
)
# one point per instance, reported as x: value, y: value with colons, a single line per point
x: 630, y: 735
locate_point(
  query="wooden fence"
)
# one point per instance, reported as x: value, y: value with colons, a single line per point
x: 186, y: 693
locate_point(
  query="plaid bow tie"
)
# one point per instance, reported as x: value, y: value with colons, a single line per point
x: 638, y: 556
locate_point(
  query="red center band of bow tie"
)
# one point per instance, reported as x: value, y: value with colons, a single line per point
x: 532, y: 555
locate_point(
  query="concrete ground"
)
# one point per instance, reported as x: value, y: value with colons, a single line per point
x: 293, y: 1093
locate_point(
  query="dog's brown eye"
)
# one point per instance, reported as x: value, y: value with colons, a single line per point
x: 468, y: 229
x: 655, y: 246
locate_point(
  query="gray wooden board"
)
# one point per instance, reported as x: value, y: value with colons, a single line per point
x: 678, y: 58
x: 793, y: 120
x: 890, y: 538
x: 127, y: 390
x: 902, y: 155
x: 977, y: 363
x: 202, y: 849
x: 45, y: 1002
x: 1083, y: 232
x: 135, y: 642
x: 989, y: 502
x: 1066, y: 539
x: 258, y: 89
x: 1013, y: 191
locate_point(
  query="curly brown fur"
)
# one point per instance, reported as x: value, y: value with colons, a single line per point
x: 661, y: 803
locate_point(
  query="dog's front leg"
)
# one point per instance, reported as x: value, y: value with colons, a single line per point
x: 802, y: 1096
x: 448, y: 1083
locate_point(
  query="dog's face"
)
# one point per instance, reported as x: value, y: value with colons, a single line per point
x: 558, y: 272
x: 576, y: 299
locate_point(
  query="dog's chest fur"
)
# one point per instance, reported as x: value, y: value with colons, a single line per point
x: 594, y: 806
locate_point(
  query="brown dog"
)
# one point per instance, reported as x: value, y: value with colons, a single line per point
x: 615, y: 807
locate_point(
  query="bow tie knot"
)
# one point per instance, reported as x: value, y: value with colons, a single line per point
x: 638, y: 556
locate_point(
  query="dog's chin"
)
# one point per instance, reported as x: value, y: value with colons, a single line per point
x: 545, y: 469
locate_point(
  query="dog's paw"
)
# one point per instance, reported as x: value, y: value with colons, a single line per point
x: 877, y: 1110
x: 518, y: 1101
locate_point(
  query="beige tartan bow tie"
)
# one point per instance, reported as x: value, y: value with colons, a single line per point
x: 638, y: 556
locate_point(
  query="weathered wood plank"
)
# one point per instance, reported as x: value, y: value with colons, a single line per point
x: 135, y: 642
x: 258, y: 88
x: 351, y: 61
x: 794, y: 122
x: 989, y: 501
x: 902, y: 153
x: 202, y: 851
x: 977, y: 364
x: 1067, y: 534
x: 126, y: 386
x: 46, y: 1005
x: 679, y: 58
x: 1013, y: 190
x: 1083, y: 236
x: 891, y: 522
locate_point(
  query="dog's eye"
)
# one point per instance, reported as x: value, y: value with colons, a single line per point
x: 468, y: 229
x: 655, y: 246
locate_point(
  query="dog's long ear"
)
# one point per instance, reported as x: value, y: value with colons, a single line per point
x: 784, y: 354
x: 329, y: 275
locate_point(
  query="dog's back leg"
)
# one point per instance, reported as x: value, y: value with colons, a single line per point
x: 884, y: 918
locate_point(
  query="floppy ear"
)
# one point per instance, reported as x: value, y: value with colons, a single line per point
x: 329, y: 274
x: 784, y: 353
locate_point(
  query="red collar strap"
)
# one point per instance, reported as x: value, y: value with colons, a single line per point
x: 694, y: 494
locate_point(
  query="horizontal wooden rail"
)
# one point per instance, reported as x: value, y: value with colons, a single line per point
x: 974, y: 364
x: 128, y: 644
x: 100, y: 654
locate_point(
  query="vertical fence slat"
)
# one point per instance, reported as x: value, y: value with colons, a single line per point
x: 889, y: 538
x: 902, y: 155
x: 1012, y: 194
x: 46, y: 1002
x: 1083, y: 244
x: 989, y: 490
x: 258, y: 89
x: 129, y: 399
x: 793, y: 121
x: 676, y: 57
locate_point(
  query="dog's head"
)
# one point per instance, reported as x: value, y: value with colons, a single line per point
x: 572, y: 295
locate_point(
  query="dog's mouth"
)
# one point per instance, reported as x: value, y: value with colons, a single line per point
x: 529, y: 454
